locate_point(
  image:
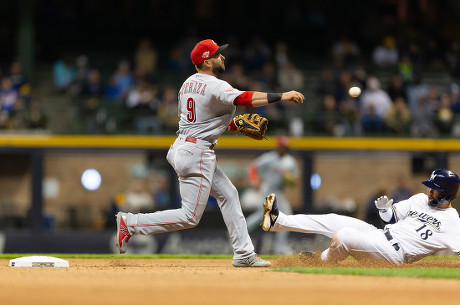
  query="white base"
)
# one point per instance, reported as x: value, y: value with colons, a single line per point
x: 38, y: 261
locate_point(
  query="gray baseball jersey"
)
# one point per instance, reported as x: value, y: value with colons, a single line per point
x: 205, y: 109
x: 205, y: 106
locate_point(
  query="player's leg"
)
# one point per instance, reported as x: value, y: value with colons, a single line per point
x: 227, y: 198
x: 363, y: 246
x: 195, y: 168
x: 326, y: 224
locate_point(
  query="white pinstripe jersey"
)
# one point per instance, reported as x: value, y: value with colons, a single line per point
x: 423, y: 230
x: 205, y: 106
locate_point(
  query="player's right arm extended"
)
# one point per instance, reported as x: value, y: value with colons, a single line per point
x: 257, y: 99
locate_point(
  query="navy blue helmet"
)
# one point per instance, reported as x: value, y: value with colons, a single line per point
x: 445, y: 181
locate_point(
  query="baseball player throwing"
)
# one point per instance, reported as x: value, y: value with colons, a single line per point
x: 206, y: 108
x: 417, y: 227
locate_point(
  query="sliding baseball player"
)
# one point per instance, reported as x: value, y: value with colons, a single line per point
x: 417, y: 227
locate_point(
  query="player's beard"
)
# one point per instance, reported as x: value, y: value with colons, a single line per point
x: 218, y: 68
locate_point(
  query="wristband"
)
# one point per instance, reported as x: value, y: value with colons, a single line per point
x: 274, y: 97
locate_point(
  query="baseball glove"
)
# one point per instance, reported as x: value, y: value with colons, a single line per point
x: 251, y: 125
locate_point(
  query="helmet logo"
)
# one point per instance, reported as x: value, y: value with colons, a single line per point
x: 205, y: 54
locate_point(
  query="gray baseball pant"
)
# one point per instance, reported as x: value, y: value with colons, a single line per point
x: 199, y: 176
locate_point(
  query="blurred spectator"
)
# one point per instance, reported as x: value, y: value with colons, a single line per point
x: 20, y: 83
x: 406, y: 69
x: 112, y: 91
x: 401, y: 192
x: 256, y: 54
x: 236, y: 76
x: 416, y: 91
x: 93, y: 85
x: 64, y: 74
x: 360, y: 76
x: 444, y: 118
x: 434, y: 97
x: 34, y: 116
x: 90, y: 102
x: 123, y: 79
x: 268, y: 80
x: 422, y: 118
x: 386, y: 54
x: 452, y: 58
x: 345, y: 51
x: 281, y: 55
x: 167, y: 111
x: 345, y: 82
x: 375, y: 104
x: 350, y: 124
x: 18, y: 79
x: 9, y: 97
x: 146, y: 56
x: 397, y: 88
x: 398, y: 117
x: 327, y: 83
x: 143, y: 106
x: 276, y: 115
x: 290, y: 76
x: 455, y: 98
x: 81, y: 74
x: 327, y: 116
x: 141, y: 96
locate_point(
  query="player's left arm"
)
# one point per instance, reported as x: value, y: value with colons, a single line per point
x: 391, y: 213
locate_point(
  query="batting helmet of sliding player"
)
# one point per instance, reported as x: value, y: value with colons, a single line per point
x: 445, y: 181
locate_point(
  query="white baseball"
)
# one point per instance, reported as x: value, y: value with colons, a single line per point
x: 354, y: 91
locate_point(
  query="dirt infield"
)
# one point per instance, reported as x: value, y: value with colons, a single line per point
x: 200, y: 281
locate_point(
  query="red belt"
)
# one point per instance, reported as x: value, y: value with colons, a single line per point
x: 193, y: 140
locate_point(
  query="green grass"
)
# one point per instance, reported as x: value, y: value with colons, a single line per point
x: 445, y: 273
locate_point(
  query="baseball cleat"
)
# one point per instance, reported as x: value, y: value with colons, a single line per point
x: 271, y: 212
x: 123, y: 235
x: 252, y: 261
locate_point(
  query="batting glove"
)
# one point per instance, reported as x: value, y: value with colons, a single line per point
x: 383, y: 203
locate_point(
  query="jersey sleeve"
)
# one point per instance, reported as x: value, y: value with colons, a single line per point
x: 400, y: 209
x: 225, y: 93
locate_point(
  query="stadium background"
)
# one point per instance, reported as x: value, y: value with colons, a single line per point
x: 66, y: 113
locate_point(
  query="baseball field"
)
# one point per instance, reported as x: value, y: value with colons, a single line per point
x: 212, y: 280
